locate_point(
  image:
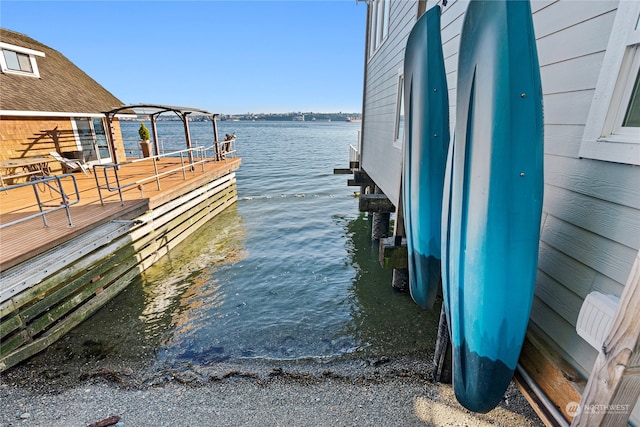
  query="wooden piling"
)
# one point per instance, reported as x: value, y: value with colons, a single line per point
x: 442, y: 361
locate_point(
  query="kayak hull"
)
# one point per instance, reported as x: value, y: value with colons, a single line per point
x: 425, y: 154
x: 493, y: 199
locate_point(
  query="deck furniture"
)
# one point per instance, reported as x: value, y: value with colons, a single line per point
x: 24, y: 167
x: 70, y: 165
x: 228, y: 148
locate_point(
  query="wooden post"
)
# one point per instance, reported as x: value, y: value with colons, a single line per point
x: 400, y: 276
x: 112, y: 138
x: 216, y: 146
x: 375, y: 203
x: 442, y: 361
x: 154, y: 132
x: 614, y: 385
x: 187, y: 135
x: 380, y: 227
x: 554, y: 377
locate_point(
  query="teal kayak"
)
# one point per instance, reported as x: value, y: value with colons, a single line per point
x: 426, y: 108
x: 492, y: 199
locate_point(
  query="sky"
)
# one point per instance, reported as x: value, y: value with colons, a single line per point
x: 228, y: 57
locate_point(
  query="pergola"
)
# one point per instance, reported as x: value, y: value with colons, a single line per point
x: 153, y: 111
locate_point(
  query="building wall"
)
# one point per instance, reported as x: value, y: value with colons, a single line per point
x: 381, y: 158
x: 119, y: 143
x: 37, y: 136
x: 590, y: 231
x: 583, y: 246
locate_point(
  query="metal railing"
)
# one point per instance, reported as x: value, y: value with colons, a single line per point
x: 111, y: 172
x: 133, y: 149
x: 354, y: 154
x: 54, y: 184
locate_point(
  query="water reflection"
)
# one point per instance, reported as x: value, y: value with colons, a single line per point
x: 383, y: 320
x: 218, y: 296
x: 181, y: 283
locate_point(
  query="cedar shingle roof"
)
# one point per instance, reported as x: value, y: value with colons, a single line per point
x: 62, y: 87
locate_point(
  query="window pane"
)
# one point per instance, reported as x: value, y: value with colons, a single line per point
x: 25, y: 63
x: 632, y: 118
x: 12, y: 59
x: 400, y: 110
x: 385, y: 25
x: 379, y: 12
x: 17, y: 61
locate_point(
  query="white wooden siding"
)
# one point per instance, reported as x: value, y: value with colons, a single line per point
x: 591, y: 214
x: 380, y: 158
x: 615, y: 222
x: 584, y: 38
x: 563, y: 140
x: 451, y: 23
x: 561, y: 77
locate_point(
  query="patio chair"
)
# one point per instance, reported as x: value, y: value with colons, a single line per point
x: 70, y: 165
x: 227, y: 146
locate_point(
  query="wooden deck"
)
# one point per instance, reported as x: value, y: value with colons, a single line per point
x: 24, y: 240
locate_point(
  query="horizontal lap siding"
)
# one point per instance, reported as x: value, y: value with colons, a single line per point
x: 591, y: 226
x: 591, y: 214
x: 591, y: 219
x: 452, y: 19
x: 380, y: 158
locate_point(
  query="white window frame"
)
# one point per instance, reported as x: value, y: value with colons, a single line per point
x: 18, y: 49
x: 604, y: 136
x: 398, y: 132
x: 78, y: 139
x: 379, y: 24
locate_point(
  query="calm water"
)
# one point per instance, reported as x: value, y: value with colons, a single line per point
x: 288, y: 272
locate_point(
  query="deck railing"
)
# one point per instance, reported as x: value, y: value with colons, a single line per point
x: 54, y: 185
x: 354, y: 154
x: 109, y: 172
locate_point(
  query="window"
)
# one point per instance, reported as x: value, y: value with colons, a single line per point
x: 612, y: 131
x: 379, y: 24
x: 19, y: 60
x: 632, y: 118
x: 399, y: 131
x: 91, y: 139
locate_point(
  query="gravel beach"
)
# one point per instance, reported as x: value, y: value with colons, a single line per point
x: 352, y: 392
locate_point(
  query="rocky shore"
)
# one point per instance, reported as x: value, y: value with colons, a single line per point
x: 383, y: 391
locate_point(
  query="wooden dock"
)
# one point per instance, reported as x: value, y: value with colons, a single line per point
x: 23, y: 241
x: 53, y: 277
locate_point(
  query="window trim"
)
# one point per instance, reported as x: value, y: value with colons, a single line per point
x: 398, y: 136
x: 604, y: 137
x: 25, y: 51
x: 78, y: 139
x: 379, y: 16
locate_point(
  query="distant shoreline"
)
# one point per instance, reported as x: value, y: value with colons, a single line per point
x: 259, y: 117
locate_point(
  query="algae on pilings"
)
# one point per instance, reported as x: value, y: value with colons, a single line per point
x: 144, y: 132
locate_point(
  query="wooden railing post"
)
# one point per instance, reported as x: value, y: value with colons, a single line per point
x: 614, y: 384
